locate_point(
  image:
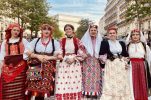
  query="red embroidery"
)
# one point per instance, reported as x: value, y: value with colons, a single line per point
x: 45, y: 44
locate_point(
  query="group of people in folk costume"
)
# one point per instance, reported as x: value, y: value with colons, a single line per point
x: 73, y: 69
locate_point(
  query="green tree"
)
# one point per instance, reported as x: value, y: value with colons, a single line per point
x: 26, y: 10
x: 138, y: 9
x: 84, y: 24
x: 15, y: 9
x: 38, y: 11
x: 34, y: 12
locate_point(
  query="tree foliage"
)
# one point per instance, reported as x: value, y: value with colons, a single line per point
x: 138, y: 9
x: 15, y: 9
x: 34, y: 12
x: 84, y: 24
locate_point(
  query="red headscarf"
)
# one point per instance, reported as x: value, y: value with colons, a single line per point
x: 112, y: 28
x: 9, y: 28
x: 135, y: 30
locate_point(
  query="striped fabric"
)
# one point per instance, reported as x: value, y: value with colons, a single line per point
x: 15, y: 90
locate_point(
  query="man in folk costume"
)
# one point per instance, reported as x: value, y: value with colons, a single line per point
x: 91, y: 70
x: 69, y: 75
x: 140, y: 60
x: 12, y: 63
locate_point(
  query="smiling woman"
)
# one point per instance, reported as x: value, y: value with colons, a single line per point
x: 116, y: 83
x: 139, y: 54
x: 68, y: 75
x: 13, y: 64
x: 92, y: 71
x: 43, y: 54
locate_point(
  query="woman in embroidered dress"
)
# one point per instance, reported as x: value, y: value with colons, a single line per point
x: 41, y: 72
x: 68, y: 75
x: 116, y: 84
x: 140, y: 59
x: 13, y: 65
x: 91, y: 70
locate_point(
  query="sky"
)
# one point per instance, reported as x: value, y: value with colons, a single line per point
x: 91, y: 9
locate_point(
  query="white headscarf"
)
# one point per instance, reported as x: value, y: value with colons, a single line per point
x: 87, y: 41
x: 142, y: 37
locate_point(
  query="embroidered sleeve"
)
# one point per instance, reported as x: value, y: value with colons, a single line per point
x: 81, y: 50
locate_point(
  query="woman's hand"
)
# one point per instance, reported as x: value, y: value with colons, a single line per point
x: 102, y: 62
x: 127, y: 66
x: 85, y: 55
x: 41, y: 58
x: 59, y: 57
x: 79, y: 58
x: 126, y: 59
x: 70, y: 60
x: 28, y: 53
x: 47, y: 58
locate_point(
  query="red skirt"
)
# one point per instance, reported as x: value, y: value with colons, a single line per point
x: 14, y: 90
x: 13, y: 78
x: 139, y: 79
